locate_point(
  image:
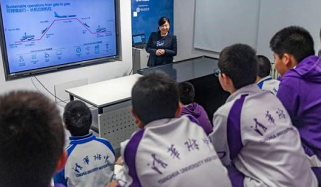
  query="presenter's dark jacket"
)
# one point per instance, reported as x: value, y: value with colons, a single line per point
x: 156, y: 41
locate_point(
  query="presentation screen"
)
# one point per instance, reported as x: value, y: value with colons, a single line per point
x: 48, y: 35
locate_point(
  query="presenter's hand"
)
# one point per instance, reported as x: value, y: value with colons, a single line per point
x: 162, y: 51
x: 159, y: 52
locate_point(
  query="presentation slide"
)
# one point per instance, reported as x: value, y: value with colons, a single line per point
x: 47, y: 33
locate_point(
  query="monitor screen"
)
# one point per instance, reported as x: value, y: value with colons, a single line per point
x: 40, y: 35
x: 137, y: 39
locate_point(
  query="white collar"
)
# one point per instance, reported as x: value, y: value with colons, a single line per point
x: 249, y: 89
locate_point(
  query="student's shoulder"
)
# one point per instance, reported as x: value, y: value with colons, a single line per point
x: 105, y: 142
x: 224, y: 110
x: 134, y: 140
x: 70, y: 148
x: 129, y: 148
x: 273, y: 81
x: 102, y: 140
x: 188, y: 118
x: 196, y: 105
x: 290, y: 79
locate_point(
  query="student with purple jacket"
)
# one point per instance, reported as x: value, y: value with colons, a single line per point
x: 187, y: 94
x: 300, y: 87
x: 253, y: 133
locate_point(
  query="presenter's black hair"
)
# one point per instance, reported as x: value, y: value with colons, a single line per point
x: 186, y: 92
x: 31, y: 139
x: 264, y: 66
x: 163, y: 20
x: 293, y: 40
x: 239, y: 63
x: 155, y: 96
x: 77, y: 117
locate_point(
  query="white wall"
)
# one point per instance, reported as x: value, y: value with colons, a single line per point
x: 93, y: 73
x: 221, y: 23
x: 277, y: 14
x: 274, y: 15
x: 184, y: 11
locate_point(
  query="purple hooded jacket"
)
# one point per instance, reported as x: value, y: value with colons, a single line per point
x: 300, y: 93
x: 198, y: 112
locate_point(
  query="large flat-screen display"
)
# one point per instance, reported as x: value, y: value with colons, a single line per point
x: 47, y: 35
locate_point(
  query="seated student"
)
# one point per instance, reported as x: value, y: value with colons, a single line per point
x: 167, y: 151
x: 254, y: 131
x: 186, y: 97
x: 31, y: 140
x: 90, y: 159
x: 263, y: 79
x: 300, y: 88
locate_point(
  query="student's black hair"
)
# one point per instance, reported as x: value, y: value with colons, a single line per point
x: 77, y: 118
x: 31, y: 139
x: 293, y: 40
x: 264, y: 66
x: 155, y: 96
x: 163, y: 20
x: 239, y: 62
x: 186, y: 92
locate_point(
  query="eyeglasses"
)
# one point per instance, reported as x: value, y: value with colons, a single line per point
x: 217, y: 72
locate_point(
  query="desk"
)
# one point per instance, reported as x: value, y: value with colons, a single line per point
x: 112, y: 99
x: 106, y: 93
x: 186, y: 70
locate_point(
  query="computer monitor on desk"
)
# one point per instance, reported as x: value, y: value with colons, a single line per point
x: 139, y: 41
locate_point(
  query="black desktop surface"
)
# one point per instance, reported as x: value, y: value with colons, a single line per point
x: 200, y: 72
x: 186, y: 70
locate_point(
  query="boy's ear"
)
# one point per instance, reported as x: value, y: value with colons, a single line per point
x: 226, y: 79
x: 178, y: 110
x: 139, y: 123
x: 228, y: 83
x: 288, y: 60
x: 62, y: 161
